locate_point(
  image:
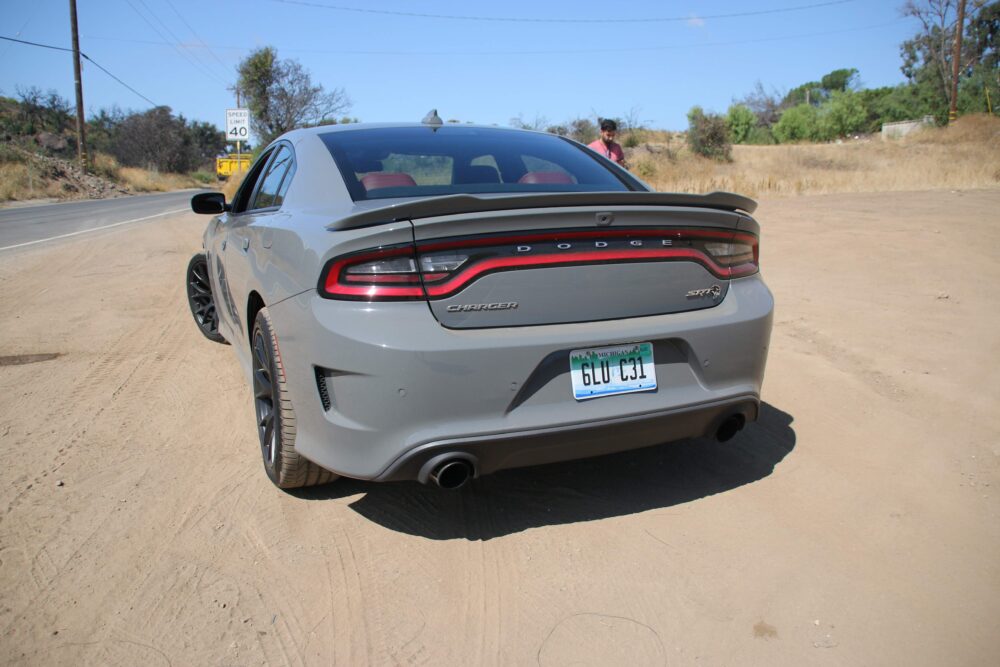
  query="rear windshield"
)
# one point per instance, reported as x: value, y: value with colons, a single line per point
x: 381, y: 163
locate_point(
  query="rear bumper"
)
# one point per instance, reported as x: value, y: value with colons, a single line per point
x: 403, y: 390
x: 487, y: 454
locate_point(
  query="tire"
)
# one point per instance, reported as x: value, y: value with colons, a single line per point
x: 275, y: 415
x: 200, y: 298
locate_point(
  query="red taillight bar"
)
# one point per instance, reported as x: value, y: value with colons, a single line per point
x: 676, y: 245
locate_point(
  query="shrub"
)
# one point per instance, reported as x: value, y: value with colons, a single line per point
x: 761, y: 136
x: 105, y: 166
x: 799, y: 123
x: 708, y: 135
x: 741, y: 122
x: 645, y: 169
x: 843, y: 114
x: 203, y: 177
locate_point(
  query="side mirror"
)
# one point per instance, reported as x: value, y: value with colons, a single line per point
x: 211, y: 203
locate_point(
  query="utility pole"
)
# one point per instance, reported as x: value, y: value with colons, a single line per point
x: 955, y: 63
x: 81, y: 126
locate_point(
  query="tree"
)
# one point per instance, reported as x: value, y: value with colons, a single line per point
x: 818, y: 92
x: 839, y: 80
x: 708, y: 135
x: 808, y: 93
x: 582, y: 130
x: 767, y: 106
x: 538, y: 124
x: 800, y: 123
x: 156, y: 139
x: 101, y: 129
x: 842, y: 115
x: 741, y: 121
x: 281, y: 95
x: 927, y: 57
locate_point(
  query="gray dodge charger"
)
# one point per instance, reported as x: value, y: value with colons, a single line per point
x: 418, y: 301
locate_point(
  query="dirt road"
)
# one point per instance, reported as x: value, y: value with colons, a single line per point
x: 857, y: 523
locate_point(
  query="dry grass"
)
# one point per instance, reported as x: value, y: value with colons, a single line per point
x: 141, y: 180
x: 25, y: 176
x: 20, y: 181
x: 230, y: 188
x: 965, y: 155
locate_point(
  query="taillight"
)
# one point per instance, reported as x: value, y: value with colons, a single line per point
x: 442, y: 268
x: 373, y: 275
x: 739, y: 256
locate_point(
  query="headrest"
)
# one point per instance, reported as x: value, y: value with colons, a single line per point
x: 546, y: 177
x: 387, y: 180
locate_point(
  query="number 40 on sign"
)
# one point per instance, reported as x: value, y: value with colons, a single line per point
x: 237, y: 124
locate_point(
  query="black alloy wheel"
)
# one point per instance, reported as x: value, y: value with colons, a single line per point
x: 264, y: 399
x: 275, y: 414
x: 200, y: 299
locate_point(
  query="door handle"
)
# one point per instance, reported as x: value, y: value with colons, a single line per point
x: 246, y: 243
x: 223, y: 244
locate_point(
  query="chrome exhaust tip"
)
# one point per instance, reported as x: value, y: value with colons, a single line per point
x: 452, y: 474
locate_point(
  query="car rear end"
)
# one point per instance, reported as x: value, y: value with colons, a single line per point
x: 500, y: 330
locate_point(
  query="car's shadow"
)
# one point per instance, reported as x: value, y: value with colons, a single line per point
x: 514, y: 500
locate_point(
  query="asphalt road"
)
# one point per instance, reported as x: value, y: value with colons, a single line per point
x: 32, y: 225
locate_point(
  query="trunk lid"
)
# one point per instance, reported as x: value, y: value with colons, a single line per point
x: 564, y: 264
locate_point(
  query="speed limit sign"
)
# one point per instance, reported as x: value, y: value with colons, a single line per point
x: 237, y: 124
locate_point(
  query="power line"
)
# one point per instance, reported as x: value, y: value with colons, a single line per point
x: 198, y: 37
x: 551, y: 52
x: 203, y: 63
x: 516, y: 19
x: 85, y: 57
x: 197, y: 65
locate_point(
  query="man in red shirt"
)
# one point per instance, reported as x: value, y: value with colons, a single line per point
x: 606, y: 145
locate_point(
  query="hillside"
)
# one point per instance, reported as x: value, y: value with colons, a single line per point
x: 963, y: 155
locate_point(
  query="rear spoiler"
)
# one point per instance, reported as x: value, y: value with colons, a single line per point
x: 457, y: 204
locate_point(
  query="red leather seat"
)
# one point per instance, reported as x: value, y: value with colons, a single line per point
x: 546, y: 177
x: 382, y: 179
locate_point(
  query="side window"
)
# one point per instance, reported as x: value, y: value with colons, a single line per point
x: 242, y: 197
x: 270, y: 194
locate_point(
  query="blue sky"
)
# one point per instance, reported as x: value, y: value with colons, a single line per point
x: 396, y: 67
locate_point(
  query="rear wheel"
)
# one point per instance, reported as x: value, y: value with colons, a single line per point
x: 275, y: 415
x: 200, y: 299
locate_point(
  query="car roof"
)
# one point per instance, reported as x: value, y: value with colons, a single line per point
x: 352, y: 127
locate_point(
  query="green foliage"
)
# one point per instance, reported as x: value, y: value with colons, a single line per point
x: 761, y: 136
x: 818, y: 92
x: 842, y: 115
x: 582, y: 130
x: 799, y: 123
x: 101, y: 129
x: 644, y: 169
x: 741, y: 121
x: 632, y: 139
x: 708, y: 135
x: 807, y: 93
x: 839, y: 80
x: 972, y: 90
x: 927, y: 57
x: 156, y: 139
x: 203, y: 177
x: 281, y: 95
x: 46, y: 118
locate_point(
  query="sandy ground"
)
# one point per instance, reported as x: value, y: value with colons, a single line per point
x: 857, y: 523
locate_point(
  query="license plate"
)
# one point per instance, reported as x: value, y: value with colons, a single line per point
x: 605, y: 371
